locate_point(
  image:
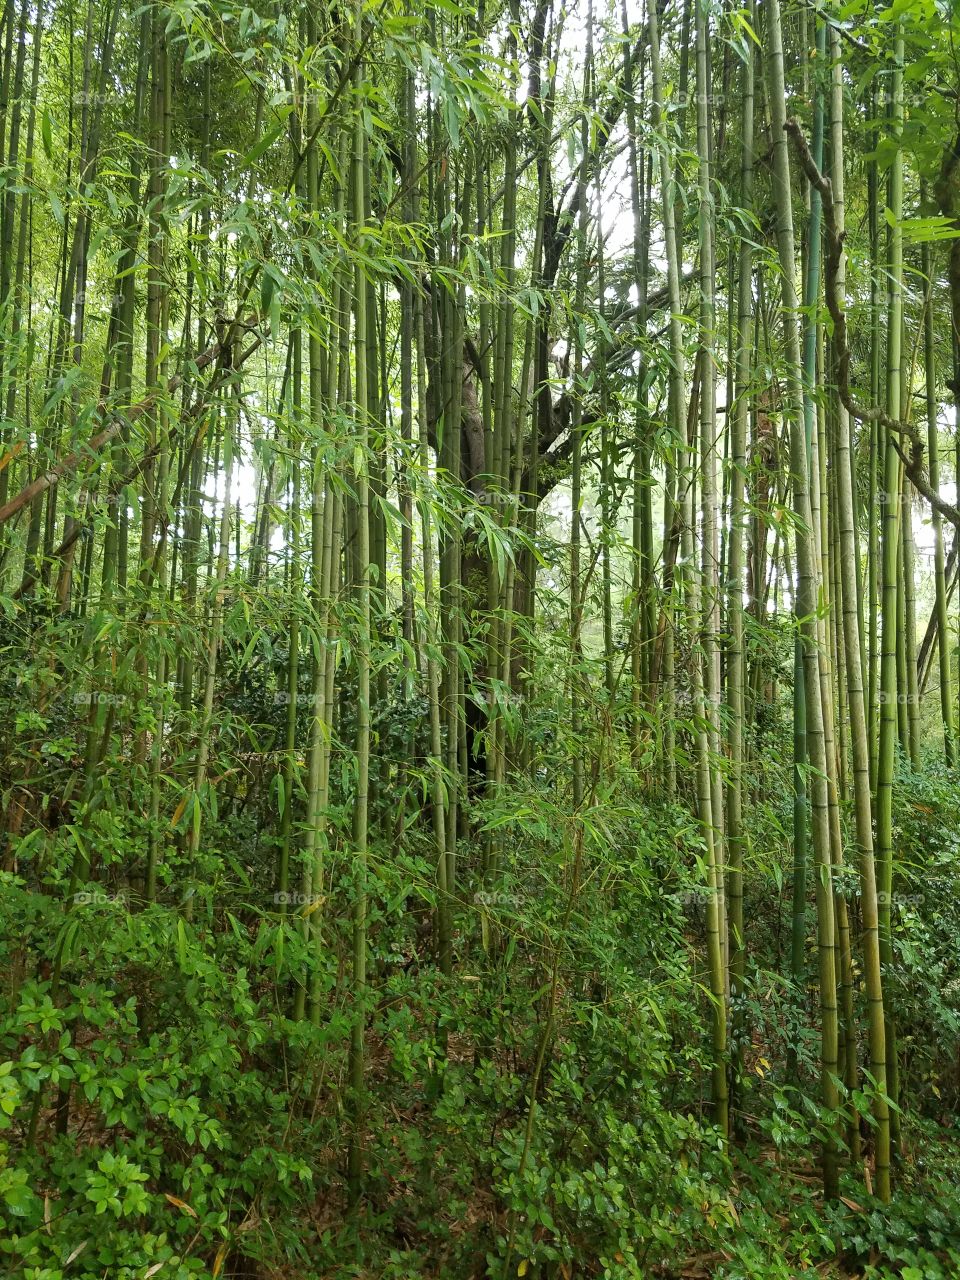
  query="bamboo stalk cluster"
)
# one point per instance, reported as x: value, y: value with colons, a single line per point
x: 328, y: 364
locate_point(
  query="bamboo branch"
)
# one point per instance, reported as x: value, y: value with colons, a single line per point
x: 910, y: 453
x: 48, y: 479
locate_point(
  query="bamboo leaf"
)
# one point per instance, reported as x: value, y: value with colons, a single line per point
x: 260, y: 148
x: 46, y: 132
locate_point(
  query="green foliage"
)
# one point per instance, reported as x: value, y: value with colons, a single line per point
x: 490, y: 989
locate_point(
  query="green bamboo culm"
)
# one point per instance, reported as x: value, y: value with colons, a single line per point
x: 807, y: 590
x: 356, y: 1072
x: 852, y: 623
x: 892, y: 493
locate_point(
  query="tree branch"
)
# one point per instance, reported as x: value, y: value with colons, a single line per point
x: 48, y: 479
x: 906, y: 438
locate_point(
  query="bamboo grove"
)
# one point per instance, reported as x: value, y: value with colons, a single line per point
x: 478, y: 550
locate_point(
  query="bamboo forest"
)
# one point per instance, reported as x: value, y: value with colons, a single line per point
x: 479, y: 639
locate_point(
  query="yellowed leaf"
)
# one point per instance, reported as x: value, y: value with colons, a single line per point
x: 220, y: 1259
x: 180, y: 1204
x: 9, y: 456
